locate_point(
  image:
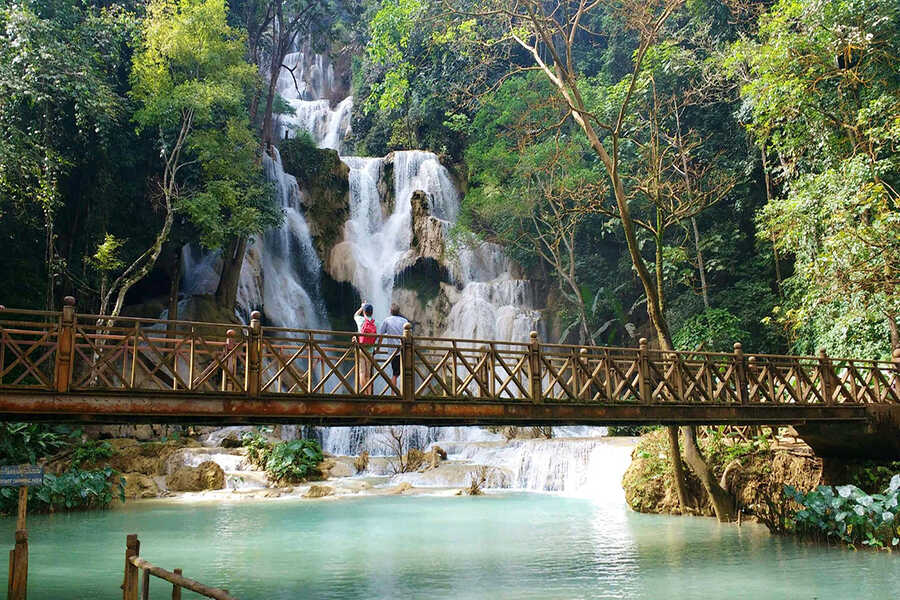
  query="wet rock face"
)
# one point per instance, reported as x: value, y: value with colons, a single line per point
x: 138, y: 485
x: 318, y: 491
x: 131, y: 456
x: 206, y: 476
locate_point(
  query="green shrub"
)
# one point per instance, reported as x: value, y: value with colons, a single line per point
x: 258, y: 448
x: 27, y: 442
x: 73, y: 490
x: 716, y: 329
x: 294, y: 461
x: 91, y: 452
x: 847, y: 514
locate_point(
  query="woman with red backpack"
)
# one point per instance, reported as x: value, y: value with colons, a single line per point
x: 365, y: 326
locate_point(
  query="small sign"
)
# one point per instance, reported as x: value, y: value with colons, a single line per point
x: 21, y: 475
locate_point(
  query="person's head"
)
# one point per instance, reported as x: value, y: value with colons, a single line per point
x: 395, y: 309
x: 367, y: 310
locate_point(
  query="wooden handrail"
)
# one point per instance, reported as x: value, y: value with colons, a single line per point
x: 133, y: 563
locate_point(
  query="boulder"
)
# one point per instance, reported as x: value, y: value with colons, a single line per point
x: 138, y: 485
x: 403, y: 487
x: 131, y: 456
x: 318, y: 491
x: 205, y: 476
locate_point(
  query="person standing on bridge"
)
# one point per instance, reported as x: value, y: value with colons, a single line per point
x: 393, y: 325
x: 365, y: 327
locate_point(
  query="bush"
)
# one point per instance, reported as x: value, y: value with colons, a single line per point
x: 630, y: 430
x: 258, y: 448
x: 73, y: 490
x: 27, y: 442
x: 294, y: 461
x: 716, y: 330
x: 847, y: 514
x: 91, y: 452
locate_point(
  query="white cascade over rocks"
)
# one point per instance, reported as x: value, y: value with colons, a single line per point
x: 395, y: 203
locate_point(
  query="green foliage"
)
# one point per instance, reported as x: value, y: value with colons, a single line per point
x: 73, y: 490
x: 872, y: 476
x: 822, y: 93
x: 294, y: 461
x: 258, y: 447
x: 723, y: 447
x: 90, y: 452
x: 715, y: 330
x: 630, y: 430
x: 22, y: 443
x: 847, y: 514
x: 311, y: 165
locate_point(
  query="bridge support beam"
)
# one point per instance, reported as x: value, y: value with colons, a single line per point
x: 877, y: 438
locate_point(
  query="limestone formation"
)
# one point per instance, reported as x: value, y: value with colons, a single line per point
x: 206, y: 476
x: 138, y: 485
x: 318, y: 491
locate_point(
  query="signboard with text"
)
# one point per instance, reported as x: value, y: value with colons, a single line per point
x: 21, y: 475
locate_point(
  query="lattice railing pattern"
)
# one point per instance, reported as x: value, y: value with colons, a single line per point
x: 68, y: 352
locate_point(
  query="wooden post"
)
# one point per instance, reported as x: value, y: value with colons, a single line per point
x: 408, y: 387
x: 752, y: 371
x: 254, y: 352
x: 644, y: 372
x: 130, y: 585
x: 18, y: 589
x: 176, y: 589
x: 826, y: 376
x: 740, y: 376
x: 65, y: 346
x: 9, y: 575
x: 145, y: 585
x: 534, y: 368
x: 229, y: 363
x: 23, y: 508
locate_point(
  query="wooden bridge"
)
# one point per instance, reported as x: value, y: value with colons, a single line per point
x: 63, y: 366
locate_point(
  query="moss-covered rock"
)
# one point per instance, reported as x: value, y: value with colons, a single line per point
x: 205, y: 476
x: 754, y: 472
x: 325, y: 183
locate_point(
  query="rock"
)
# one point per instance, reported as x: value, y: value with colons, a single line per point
x: 325, y: 181
x: 318, y: 491
x: 143, y: 433
x: 341, y: 263
x: 435, y: 456
x: 138, y: 485
x: 272, y: 494
x: 206, y: 476
x: 403, y: 487
x: 226, y: 437
x: 148, y: 458
x: 361, y: 463
x: 336, y: 467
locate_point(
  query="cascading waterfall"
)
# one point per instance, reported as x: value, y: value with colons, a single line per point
x: 282, y: 271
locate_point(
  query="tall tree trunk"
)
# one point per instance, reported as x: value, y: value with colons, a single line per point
x: 678, y: 468
x: 704, y: 287
x: 174, y: 285
x: 895, y: 331
x: 722, y: 502
x: 232, y: 261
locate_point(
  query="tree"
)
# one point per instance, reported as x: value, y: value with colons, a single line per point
x: 58, y: 89
x: 547, y: 34
x: 192, y: 83
x: 820, y: 80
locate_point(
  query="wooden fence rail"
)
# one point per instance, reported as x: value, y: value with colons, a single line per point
x: 65, y: 352
x: 135, y: 565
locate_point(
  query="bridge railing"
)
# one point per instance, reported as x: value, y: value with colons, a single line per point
x: 67, y: 352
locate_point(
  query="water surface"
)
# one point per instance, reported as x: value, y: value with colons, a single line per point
x: 496, y: 546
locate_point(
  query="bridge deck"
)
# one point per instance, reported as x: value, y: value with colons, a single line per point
x: 64, y: 367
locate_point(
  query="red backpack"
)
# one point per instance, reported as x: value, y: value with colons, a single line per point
x: 368, y: 326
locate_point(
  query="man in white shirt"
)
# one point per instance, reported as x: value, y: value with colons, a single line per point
x: 393, y: 325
